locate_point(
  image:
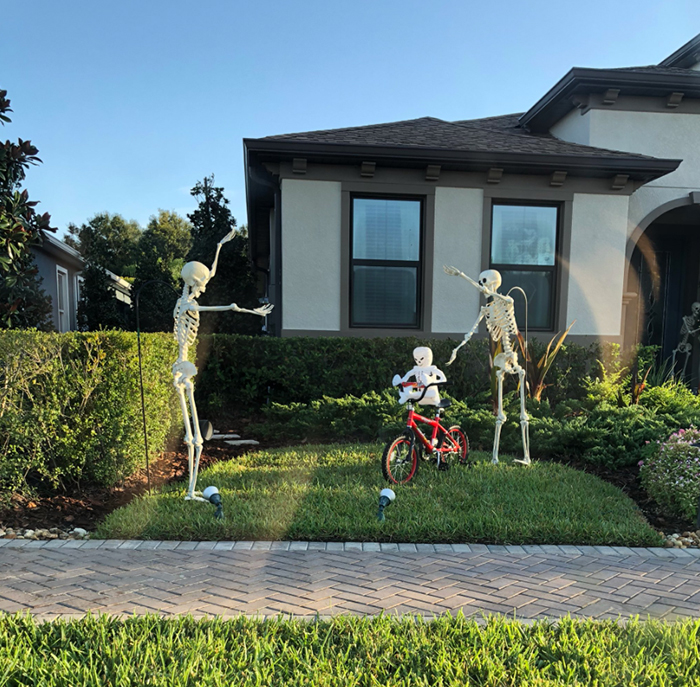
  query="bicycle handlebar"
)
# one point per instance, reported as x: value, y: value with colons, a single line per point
x: 425, y: 388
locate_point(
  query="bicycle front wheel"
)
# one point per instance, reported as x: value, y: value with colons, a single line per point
x: 461, y: 443
x: 399, y: 462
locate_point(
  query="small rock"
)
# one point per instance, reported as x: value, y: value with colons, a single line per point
x: 55, y: 530
x: 63, y: 535
x: 2, y: 533
x: 79, y: 532
x: 12, y: 535
x: 28, y: 533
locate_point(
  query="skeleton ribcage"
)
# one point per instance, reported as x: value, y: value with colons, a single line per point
x: 500, y: 320
x: 186, y: 328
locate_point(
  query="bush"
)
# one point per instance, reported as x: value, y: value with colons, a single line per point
x: 70, y: 408
x: 241, y: 372
x: 671, y: 473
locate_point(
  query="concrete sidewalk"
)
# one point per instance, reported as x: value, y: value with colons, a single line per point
x: 69, y: 578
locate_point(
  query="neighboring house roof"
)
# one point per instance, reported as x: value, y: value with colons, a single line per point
x: 61, y: 252
x: 686, y: 56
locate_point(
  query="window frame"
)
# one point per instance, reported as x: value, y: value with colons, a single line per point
x: 63, y: 316
x: 553, y: 269
x: 418, y: 264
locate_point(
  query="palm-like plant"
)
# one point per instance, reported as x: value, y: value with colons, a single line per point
x: 536, y: 369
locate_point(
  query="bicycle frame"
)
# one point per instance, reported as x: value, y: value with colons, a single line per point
x: 430, y: 445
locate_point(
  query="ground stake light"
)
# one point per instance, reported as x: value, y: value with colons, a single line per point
x: 386, y: 496
x: 212, y: 494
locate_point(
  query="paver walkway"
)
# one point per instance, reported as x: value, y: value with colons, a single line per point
x: 264, y: 578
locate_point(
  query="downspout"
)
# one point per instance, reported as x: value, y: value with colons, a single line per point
x: 277, y: 312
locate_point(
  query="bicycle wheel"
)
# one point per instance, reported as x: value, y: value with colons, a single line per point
x: 399, y: 463
x: 460, y: 439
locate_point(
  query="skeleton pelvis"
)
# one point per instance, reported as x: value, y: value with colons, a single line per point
x: 503, y: 361
x: 185, y: 368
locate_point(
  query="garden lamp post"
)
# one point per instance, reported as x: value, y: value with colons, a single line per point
x: 386, y: 496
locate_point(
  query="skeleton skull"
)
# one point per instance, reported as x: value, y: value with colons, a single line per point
x: 695, y: 309
x: 196, y: 276
x: 490, y: 280
x: 423, y: 356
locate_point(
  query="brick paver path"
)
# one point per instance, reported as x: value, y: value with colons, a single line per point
x: 265, y: 578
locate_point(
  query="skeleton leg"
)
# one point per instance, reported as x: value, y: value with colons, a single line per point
x: 524, y: 418
x: 685, y: 364
x: 189, y: 439
x: 500, y: 418
x: 198, y: 441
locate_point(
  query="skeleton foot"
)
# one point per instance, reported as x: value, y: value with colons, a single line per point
x: 195, y: 497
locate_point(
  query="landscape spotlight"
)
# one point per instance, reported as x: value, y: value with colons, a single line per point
x: 386, y: 496
x: 212, y: 494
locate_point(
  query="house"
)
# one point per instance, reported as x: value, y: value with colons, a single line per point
x: 60, y: 267
x: 590, y: 201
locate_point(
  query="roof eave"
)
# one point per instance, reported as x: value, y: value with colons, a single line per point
x: 556, y: 102
x: 640, y: 169
x: 686, y: 56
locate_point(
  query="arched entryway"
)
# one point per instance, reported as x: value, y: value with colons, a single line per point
x: 664, y: 276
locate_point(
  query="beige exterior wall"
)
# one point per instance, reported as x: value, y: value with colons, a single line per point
x: 574, y: 127
x: 458, y: 231
x: 311, y: 215
x: 597, y: 264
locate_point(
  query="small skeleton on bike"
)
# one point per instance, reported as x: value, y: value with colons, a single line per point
x: 402, y: 456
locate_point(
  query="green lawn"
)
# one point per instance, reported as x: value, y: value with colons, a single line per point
x: 330, y: 493
x: 347, y: 652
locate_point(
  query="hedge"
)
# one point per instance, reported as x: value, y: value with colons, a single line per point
x: 70, y: 407
x: 243, y: 373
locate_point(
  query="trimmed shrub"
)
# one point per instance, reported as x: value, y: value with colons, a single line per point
x: 671, y: 473
x: 70, y: 407
x: 245, y: 373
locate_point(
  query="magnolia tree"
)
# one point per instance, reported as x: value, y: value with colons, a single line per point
x: 23, y: 303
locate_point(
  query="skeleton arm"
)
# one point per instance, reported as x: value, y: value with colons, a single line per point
x: 468, y: 335
x: 226, y: 239
x: 454, y: 272
x: 263, y: 310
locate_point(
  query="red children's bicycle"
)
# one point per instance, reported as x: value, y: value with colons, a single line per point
x: 403, y: 455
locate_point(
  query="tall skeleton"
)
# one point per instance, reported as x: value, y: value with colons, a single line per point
x: 499, y: 314
x: 186, y: 314
x: 689, y: 328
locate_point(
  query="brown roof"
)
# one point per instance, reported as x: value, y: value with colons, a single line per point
x: 491, y: 134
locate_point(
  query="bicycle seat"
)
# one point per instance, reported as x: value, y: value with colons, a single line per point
x: 444, y: 403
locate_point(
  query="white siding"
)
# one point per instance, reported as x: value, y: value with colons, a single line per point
x: 311, y: 217
x: 598, y: 240
x: 458, y: 223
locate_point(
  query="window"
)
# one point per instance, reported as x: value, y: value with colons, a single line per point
x: 524, y: 251
x: 78, y: 293
x: 63, y: 323
x: 385, y: 270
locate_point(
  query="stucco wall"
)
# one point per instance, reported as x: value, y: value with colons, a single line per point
x: 574, y: 127
x: 458, y: 230
x: 597, y: 267
x: 660, y: 134
x: 311, y: 215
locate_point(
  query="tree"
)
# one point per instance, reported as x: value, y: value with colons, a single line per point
x: 23, y: 303
x: 234, y: 281
x: 106, y: 242
x: 161, y: 254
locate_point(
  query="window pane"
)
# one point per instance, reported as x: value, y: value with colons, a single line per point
x: 538, y: 287
x: 523, y: 235
x: 62, y: 289
x: 386, y: 229
x: 385, y: 295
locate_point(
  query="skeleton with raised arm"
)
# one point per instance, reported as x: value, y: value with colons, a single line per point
x: 186, y: 314
x: 499, y: 314
x: 689, y: 328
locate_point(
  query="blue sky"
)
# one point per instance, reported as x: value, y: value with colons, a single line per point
x: 131, y: 102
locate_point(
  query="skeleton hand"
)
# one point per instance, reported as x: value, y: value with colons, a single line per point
x: 228, y: 237
x: 452, y: 271
x: 264, y: 310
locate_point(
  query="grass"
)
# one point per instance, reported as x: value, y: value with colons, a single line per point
x: 346, y: 651
x: 330, y: 493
